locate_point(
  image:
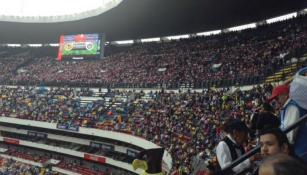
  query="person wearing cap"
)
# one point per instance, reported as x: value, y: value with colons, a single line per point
x: 293, y: 109
x: 289, y: 112
x: 231, y: 147
x: 280, y: 94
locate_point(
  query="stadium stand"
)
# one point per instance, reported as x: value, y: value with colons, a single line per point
x: 11, y: 166
x: 255, y: 54
x: 45, y: 168
x: 171, y: 120
x: 207, y: 74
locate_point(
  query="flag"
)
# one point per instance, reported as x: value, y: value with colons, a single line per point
x: 61, y: 45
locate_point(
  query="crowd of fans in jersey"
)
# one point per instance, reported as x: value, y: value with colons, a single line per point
x: 252, y: 53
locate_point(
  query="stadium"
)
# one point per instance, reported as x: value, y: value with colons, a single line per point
x: 155, y: 87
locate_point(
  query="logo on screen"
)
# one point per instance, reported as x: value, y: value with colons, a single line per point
x: 68, y: 46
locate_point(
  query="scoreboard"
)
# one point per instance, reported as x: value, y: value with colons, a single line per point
x: 81, y: 46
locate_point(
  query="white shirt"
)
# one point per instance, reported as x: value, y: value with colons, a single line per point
x: 292, y: 114
x: 224, y: 157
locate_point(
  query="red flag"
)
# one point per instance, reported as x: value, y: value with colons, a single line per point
x: 61, y: 48
x: 60, y: 56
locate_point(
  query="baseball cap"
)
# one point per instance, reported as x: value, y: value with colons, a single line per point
x: 278, y: 90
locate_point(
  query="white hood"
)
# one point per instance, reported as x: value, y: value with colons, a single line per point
x: 298, y: 88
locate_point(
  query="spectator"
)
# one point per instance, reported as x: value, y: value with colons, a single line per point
x: 198, y: 62
x: 281, y: 95
x: 274, y: 141
x: 282, y: 164
x: 265, y: 120
x: 232, y: 146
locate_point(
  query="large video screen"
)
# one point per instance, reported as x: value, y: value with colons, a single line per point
x: 81, y: 45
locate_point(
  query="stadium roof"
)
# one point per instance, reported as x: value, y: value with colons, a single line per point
x: 135, y: 19
x: 31, y: 11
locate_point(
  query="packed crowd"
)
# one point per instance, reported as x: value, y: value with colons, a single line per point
x: 60, y: 106
x: 183, y: 123
x: 253, y: 53
x: 13, y: 167
x: 280, y: 151
x: 8, y: 65
x: 186, y: 123
x: 189, y: 123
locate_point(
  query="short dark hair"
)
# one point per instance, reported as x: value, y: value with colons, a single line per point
x: 278, y: 133
x: 266, y: 120
x: 267, y: 107
x: 235, y: 125
x: 283, y: 164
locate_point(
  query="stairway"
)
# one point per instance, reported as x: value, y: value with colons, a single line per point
x: 283, y: 74
x: 97, y: 95
x: 85, y: 100
x: 288, y: 71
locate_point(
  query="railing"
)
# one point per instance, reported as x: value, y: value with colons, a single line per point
x: 228, y: 169
x: 196, y: 85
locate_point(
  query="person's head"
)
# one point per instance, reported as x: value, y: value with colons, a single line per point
x: 266, y: 120
x: 280, y: 94
x: 238, y: 130
x: 282, y: 164
x: 273, y: 141
x: 267, y: 107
